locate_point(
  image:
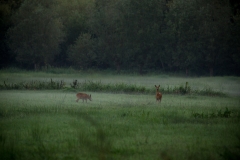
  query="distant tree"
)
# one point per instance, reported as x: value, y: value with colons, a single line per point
x: 182, y: 30
x: 214, y: 32
x: 74, y: 14
x: 107, y: 26
x: 198, y: 36
x: 36, y: 33
x: 234, y: 45
x: 7, y: 8
x: 81, y: 53
x: 198, y: 32
x: 144, y: 28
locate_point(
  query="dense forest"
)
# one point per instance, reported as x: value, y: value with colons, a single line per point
x: 196, y: 37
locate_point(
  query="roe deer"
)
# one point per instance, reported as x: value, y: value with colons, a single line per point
x: 83, y: 96
x: 158, y: 94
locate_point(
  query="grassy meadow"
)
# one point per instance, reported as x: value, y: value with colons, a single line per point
x: 50, y: 124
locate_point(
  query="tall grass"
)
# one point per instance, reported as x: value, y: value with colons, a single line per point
x: 98, y: 86
x: 117, y: 87
x: 228, y: 85
x: 33, y: 85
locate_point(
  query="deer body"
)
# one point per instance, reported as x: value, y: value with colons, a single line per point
x: 83, y: 96
x: 158, y: 94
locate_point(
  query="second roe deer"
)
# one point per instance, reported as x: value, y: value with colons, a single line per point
x: 158, y: 94
x: 83, y: 96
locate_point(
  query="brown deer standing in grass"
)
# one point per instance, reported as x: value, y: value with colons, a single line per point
x: 158, y: 94
x: 83, y: 96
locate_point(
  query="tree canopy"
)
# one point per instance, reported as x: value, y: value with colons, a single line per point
x: 191, y: 36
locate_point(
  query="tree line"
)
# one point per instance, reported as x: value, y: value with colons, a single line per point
x: 191, y: 36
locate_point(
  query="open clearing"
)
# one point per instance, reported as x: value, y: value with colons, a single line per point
x: 50, y: 124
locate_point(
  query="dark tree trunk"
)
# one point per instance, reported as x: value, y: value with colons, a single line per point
x: 141, y: 69
x: 35, y: 66
x: 118, y: 67
x: 211, y: 71
x: 162, y: 65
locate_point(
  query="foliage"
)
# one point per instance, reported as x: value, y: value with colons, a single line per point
x: 34, y: 85
x: 38, y: 45
x: 197, y: 37
x: 117, y: 87
x: 7, y: 9
x: 219, y: 114
x: 98, y: 86
x: 46, y: 69
x: 81, y: 53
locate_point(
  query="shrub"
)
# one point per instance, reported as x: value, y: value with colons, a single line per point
x: 98, y: 86
x: 37, y: 85
x: 219, y: 114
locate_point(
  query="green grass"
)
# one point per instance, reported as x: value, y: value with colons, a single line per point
x: 50, y: 124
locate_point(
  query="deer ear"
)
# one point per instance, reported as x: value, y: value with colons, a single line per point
x: 155, y: 86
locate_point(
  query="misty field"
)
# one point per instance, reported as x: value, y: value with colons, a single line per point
x: 50, y: 124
